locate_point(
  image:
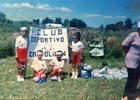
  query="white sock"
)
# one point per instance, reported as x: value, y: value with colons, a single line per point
x: 76, y: 75
x: 73, y: 74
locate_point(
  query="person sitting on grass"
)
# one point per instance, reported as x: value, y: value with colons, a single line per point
x: 39, y: 66
x: 57, y: 64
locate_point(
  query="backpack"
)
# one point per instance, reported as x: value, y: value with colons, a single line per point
x: 85, y: 71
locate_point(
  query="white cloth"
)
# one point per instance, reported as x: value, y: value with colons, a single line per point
x: 23, y: 28
x: 138, y: 24
x: 57, y: 63
x: 21, y: 42
x: 76, y: 47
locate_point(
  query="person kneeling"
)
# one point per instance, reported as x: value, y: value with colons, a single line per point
x: 39, y: 67
x: 56, y: 66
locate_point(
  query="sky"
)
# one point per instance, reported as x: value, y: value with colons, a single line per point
x: 93, y: 12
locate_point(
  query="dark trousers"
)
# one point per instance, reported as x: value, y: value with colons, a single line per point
x: 132, y: 81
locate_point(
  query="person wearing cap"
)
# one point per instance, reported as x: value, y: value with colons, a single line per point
x: 57, y: 65
x: 21, y: 53
x: 39, y: 66
x: 131, y: 45
x: 77, y: 52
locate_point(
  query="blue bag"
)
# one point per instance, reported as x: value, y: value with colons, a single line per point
x: 85, y: 71
x: 41, y: 80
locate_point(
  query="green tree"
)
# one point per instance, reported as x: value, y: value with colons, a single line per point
x: 66, y: 23
x: 110, y: 27
x: 58, y: 20
x: 119, y: 26
x: 47, y: 20
x: 77, y: 23
x: 128, y: 24
x: 2, y: 16
x: 101, y: 27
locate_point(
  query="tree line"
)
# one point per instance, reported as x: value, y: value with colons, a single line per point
x: 128, y: 24
x: 75, y: 22
x: 8, y: 27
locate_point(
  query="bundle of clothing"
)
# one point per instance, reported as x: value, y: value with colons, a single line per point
x: 110, y: 73
x: 87, y: 71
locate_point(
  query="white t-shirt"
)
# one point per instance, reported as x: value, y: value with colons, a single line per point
x: 76, y: 47
x: 21, y: 42
x: 57, y: 63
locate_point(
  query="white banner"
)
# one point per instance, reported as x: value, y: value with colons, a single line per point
x: 49, y: 41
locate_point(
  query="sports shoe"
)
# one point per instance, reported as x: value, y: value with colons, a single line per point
x: 59, y: 80
x: 20, y: 79
x: 54, y: 77
x: 36, y: 78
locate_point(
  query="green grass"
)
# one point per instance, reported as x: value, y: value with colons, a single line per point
x: 68, y: 89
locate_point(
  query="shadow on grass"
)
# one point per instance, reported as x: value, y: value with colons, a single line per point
x: 29, y: 77
x: 64, y: 75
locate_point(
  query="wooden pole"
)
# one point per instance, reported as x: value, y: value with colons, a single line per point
x: 68, y: 69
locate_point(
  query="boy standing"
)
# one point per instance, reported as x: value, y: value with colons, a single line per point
x: 21, y: 53
x: 77, y: 50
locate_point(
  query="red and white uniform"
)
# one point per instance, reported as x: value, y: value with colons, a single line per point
x: 76, y: 47
x: 39, y: 67
x: 57, y: 65
x: 21, y: 48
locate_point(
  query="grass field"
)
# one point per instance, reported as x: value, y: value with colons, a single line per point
x: 68, y: 89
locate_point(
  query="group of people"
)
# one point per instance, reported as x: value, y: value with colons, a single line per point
x: 131, y: 45
x: 39, y: 65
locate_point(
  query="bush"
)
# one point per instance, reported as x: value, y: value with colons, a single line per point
x: 6, y: 45
x: 113, y: 47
